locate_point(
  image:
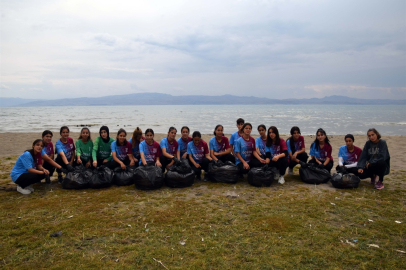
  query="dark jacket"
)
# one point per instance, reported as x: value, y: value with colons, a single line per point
x: 373, y: 153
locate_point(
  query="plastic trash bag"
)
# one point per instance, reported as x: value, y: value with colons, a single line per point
x: 180, y: 175
x: 340, y: 180
x: 124, y: 177
x: 220, y: 172
x: 148, y: 177
x: 77, y: 179
x: 102, y: 177
x: 261, y: 177
x: 314, y: 175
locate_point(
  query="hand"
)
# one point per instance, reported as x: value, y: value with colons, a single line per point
x: 78, y: 161
x: 360, y: 171
x: 262, y: 160
x: 88, y: 164
x: 184, y: 155
x: 95, y: 163
x: 158, y: 164
x: 69, y: 167
x: 135, y: 160
x: 132, y: 163
x: 275, y: 158
x: 197, y: 165
x: 175, y: 160
x: 295, y: 155
x: 46, y: 172
x: 105, y: 161
x: 246, y: 166
x: 215, y: 153
x: 367, y: 165
x: 122, y: 165
x: 64, y: 170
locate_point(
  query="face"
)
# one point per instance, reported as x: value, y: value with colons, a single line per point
x: 296, y: 135
x: 121, y: 137
x: 65, y: 133
x: 349, y: 142
x: 239, y: 126
x: 247, y: 130
x: 185, y: 133
x: 321, y: 136
x: 196, y: 140
x: 85, y: 134
x: 47, y: 138
x: 219, y: 131
x: 149, y: 137
x: 172, y: 134
x: 272, y: 134
x: 38, y: 147
x: 372, y: 136
x: 262, y: 131
x: 103, y: 134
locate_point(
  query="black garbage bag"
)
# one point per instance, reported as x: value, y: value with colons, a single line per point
x: 348, y: 180
x: 261, y: 177
x: 102, y: 177
x: 77, y: 179
x: 124, y: 177
x: 148, y: 177
x: 219, y: 172
x: 180, y: 175
x: 314, y: 175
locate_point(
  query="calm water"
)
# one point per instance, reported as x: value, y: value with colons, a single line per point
x: 335, y: 119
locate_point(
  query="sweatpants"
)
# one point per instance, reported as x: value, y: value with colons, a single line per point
x: 353, y: 170
x: 49, y: 167
x: 113, y: 164
x: 225, y: 158
x: 164, y: 161
x: 377, y: 168
x: 254, y: 163
x: 60, y: 162
x: 328, y: 167
x: 204, y: 165
x: 302, y: 157
x: 27, y: 179
x: 281, y: 164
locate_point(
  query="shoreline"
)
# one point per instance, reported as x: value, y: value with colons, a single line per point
x: 14, y: 144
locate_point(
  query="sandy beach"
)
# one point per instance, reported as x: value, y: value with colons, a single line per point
x: 14, y: 144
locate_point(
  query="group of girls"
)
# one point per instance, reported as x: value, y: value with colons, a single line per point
x: 39, y: 162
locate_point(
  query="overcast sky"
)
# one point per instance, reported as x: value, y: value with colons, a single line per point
x: 275, y: 49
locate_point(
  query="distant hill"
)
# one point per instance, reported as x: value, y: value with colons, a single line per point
x: 9, y: 102
x: 165, y: 99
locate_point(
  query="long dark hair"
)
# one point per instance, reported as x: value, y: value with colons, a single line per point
x: 137, y: 133
x: 196, y: 134
x: 316, y: 141
x: 31, y: 151
x: 121, y: 130
x: 217, y: 128
x: 291, y: 142
x: 261, y: 126
x: 80, y: 136
x: 269, y: 141
x: 172, y: 128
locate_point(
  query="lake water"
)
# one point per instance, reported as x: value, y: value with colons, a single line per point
x: 335, y: 119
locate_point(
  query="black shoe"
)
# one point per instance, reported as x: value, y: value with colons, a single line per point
x: 47, y: 179
x: 60, y: 179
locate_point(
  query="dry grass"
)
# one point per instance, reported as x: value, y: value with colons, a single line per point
x: 222, y: 226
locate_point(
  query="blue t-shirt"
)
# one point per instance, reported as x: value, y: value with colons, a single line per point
x: 234, y: 137
x: 136, y: 148
x: 151, y: 152
x: 219, y: 147
x: 24, y: 162
x: 171, y: 149
x: 182, y: 145
x: 245, y: 148
x: 67, y: 148
x: 48, y: 149
x: 323, y: 153
x: 198, y: 152
x: 261, y: 144
x: 349, y: 157
x: 121, y: 151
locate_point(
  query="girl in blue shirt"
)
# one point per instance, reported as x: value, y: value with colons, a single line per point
x: 219, y: 146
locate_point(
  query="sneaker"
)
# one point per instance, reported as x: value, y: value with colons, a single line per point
x: 60, y: 179
x: 281, y: 180
x: 30, y: 188
x: 379, y: 185
x: 23, y: 190
x: 373, y: 180
x: 290, y: 171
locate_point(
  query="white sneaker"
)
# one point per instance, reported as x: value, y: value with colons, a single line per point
x: 30, y: 188
x: 281, y: 180
x: 23, y: 190
x: 290, y: 171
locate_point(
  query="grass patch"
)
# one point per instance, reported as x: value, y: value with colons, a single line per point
x: 208, y: 225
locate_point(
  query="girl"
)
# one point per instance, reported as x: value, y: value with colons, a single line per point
x: 348, y: 156
x: 260, y: 144
x: 320, y: 151
x: 236, y: 135
x: 169, y: 147
x: 84, y: 148
x: 150, y: 150
x: 219, y: 147
x: 198, y: 154
x: 66, y: 152
x: 121, y: 151
x: 101, y: 153
x: 374, y: 160
x: 296, y: 149
x: 135, y: 144
x: 183, y: 142
x: 28, y: 169
x: 245, y: 150
x: 47, y: 154
x: 276, y: 152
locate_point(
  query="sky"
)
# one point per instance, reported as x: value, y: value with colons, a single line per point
x: 274, y: 49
